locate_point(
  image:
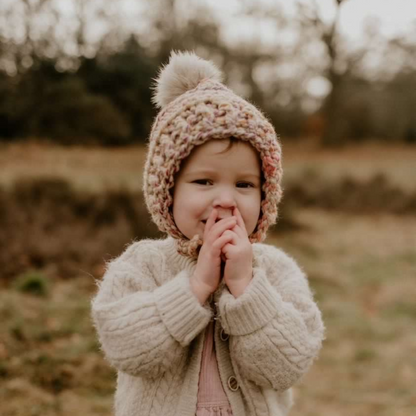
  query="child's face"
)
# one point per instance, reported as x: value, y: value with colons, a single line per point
x: 210, y: 179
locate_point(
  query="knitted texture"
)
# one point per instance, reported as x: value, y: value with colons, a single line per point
x: 202, y: 110
x: 151, y: 328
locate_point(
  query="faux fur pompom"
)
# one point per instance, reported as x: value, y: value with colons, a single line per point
x: 184, y: 72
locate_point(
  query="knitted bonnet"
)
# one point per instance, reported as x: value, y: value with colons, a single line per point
x: 196, y: 107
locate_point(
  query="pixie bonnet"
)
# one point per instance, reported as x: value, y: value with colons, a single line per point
x: 196, y: 107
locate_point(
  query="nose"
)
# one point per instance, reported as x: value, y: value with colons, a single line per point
x: 225, y: 201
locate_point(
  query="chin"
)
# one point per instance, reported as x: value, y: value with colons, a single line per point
x: 193, y: 234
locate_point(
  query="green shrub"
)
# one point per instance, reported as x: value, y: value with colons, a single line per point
x: 71, y: 114
x: 34, y: 283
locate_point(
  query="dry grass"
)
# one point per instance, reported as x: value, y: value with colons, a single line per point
x: 49, y: 359
x: 91, y: 169
x: 362, y: 270
x: 362, y: 162
x: 98, y: 168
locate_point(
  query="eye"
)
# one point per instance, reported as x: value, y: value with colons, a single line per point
x: 245, y: 185
x: 203, y: 182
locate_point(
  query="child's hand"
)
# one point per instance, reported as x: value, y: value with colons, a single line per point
x: 207, y: 273
x: 238, y: 254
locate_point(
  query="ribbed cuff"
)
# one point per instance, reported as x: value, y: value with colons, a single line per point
x: 180, y: 310
x: 253, y: 309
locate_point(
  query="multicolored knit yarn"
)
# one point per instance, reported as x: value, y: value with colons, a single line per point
x: 196, y: 107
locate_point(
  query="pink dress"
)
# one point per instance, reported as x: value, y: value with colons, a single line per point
x: 212, y: 400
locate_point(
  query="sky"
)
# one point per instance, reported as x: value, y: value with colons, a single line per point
x: 395, y: 16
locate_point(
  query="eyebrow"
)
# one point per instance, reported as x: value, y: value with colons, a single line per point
x: 208, y: 172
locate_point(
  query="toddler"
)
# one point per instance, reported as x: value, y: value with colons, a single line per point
x: 209, y: 321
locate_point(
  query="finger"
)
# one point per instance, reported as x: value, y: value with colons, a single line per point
x: 233, y: 235
x: 230, y: 244
x: 240, y: 220
x: 222, y: 241
x: 218, y: 229
x: 228, y: 250
x: 210, y: 221
x: 240, y: 232
x: 225, y: 252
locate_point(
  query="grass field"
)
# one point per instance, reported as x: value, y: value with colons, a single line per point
x: 95, y: 169
x: 363, y: 271
x: 362, y: 268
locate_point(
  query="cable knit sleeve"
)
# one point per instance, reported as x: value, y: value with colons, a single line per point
x: 276, y: 328
x: 144, y: 328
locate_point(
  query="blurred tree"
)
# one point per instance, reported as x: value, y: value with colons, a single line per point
x: 53, y: 92
x: 340, y: 65
x: 53, y: 69
x: 197, y: 29
x: 405, y: 83
x: 71, y: 114
x: 30, y: 30
x: 9, y: 122
x: 124, y: 78
x: 27, y: 94
x: 393, y: 104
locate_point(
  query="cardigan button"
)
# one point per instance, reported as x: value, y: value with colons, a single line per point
x: 233, y: 384
x: 223, y: 335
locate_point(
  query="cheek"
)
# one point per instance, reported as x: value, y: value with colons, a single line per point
x: 187, y: 204
x: 251, y: 213
x: 256, y: 204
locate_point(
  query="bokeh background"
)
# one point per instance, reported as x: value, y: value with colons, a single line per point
x: 338, y: 81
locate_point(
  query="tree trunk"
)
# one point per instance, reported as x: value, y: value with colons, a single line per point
x: 336, y: 128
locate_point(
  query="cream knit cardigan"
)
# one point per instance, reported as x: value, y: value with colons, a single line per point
x: 151, y: 328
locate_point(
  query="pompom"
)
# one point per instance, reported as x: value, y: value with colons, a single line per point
x: 184, y: 72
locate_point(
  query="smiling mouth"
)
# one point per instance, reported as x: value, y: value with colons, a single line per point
x: 218, y: 219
